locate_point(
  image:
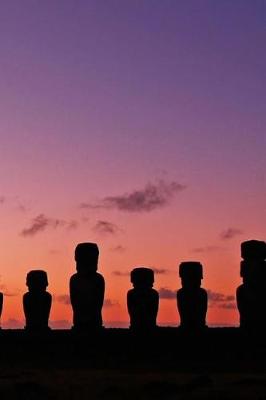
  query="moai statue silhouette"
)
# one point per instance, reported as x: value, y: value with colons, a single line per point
x: 251, y: 299
x: 37, y: 301
x: 192, y: 300
x: 142, y: 300
x: 1, y: 305
x: 87, y: 289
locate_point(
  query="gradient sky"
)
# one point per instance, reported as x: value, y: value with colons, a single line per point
x: 136, y: 124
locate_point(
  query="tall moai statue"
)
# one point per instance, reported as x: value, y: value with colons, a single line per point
x: 192, y: 300
x: 37, y: 301
x: 142, y: 300
x: 251, y: 295
x: 1, y: 305
x: 87, y: 289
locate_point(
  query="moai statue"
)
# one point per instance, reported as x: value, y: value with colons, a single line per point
x: 1, y: 305
x: 142, y: 300
x: 251, y: 299
x: 192, y: 300
x: 37, y: 301
x: 87, y: 289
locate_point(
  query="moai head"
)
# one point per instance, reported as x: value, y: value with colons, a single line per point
x: 37, y: 281
x: 253, y: 250
x: 191, y: 274
x: 142, y: 278
x: 252, y: 267
x: 86, y: 256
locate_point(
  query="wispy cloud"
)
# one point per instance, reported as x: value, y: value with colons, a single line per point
x: 54, y: 251
x: 167, y: 294
x: 71, y: 224
x: 63, y: 298
x: 110, y: 303
x: 206, y: 249
x: 6, y: 292
x: 151, y: 197
x: 228, y: 305
x: 161, y: 271
x: 230, y: 233
x: 60, y: 324
x: 119, y: 249
x: 220, y: 300
x: 14, y: 202
x: 121, y: 273
x: 105, y: 228
x: 41, y: 222
x: 13, y: 323
x: 21, y: 205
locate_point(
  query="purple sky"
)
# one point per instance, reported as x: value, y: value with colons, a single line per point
x: 99, y: 98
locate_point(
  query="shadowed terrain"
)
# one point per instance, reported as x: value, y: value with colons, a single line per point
x: 220, y: 362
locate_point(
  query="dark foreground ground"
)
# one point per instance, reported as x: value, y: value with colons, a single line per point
x: 220, y: 363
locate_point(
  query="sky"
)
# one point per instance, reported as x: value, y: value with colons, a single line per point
x: 138, y: 125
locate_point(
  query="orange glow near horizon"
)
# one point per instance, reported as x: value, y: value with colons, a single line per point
x: 115, y: 265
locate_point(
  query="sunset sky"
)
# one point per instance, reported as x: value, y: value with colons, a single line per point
x: 139, y: 125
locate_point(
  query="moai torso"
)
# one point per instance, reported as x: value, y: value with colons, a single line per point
x: 87, y: 293
x: 192, y: 300
x: 192, y: 307
x: 251, y: 295
x: 37, y: 301
x: 87, y: 288
x: 143, y: 300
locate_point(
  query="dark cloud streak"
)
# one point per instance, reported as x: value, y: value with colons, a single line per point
x: 167, y: 294
x: 119, y: 273
x: 118, y: 249
x: 105, y: 227
x: 230, y: 233
x: 206, y: 249
x: 41, y: 222
x: 161, y: 271
x: 65, y: 299
x: 151, y: 197
x: 220, y: 300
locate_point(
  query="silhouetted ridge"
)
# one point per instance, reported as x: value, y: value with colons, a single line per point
x: 87, y: 289
x: 142, y: 300
x: 192, y: 300
x: 37, y: 301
